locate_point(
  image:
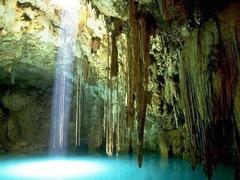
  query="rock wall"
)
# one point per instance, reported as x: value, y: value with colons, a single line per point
x: 25, y: 116
x: 28, y: 37
x: 149, y: 75
x: 29, y: 34
x: 209, y: 83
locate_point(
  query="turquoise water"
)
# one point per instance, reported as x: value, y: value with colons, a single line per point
x: 97, y: 168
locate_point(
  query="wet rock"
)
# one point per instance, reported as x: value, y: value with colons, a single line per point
x: 209, y: 74
x: 171, y: 143
x: 113, y: 8
x: 15, y: 102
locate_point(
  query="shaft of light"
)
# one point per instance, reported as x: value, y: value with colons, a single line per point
x: 63, y: 80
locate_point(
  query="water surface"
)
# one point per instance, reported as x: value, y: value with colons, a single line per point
x: 102, y: 168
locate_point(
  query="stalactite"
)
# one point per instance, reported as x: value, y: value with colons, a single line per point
x: 106, y: 102
x: 77, y: 113
x: 209, y: 74
x: 114, y: 62
x: 118, y: 124
x: 80, y: 97
x: 111, y: 116
x: 122, y: 95
x: 109, y: 123
x: 142, y: 25
x: 114, y: 98
x: 130, y: 94
x: 172, y: 9
x: 136, y: 70
x: 117, y: 28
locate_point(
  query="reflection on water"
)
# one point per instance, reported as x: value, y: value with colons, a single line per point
x: 97, y: 168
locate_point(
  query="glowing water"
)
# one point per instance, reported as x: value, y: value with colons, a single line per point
x: 97, y: 168
x: 63, y: 80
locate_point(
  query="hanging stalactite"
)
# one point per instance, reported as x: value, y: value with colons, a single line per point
x: 142, y: 25
x: 109, y: 135
x: 114, y: 76
x: 78, y: 107
x: 209, y: 75
x: 130, y: 94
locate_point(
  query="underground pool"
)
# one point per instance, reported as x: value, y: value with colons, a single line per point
x: 102, y: 168
x: 85, y: 83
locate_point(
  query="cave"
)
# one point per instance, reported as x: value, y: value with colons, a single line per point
x: 120, y: 89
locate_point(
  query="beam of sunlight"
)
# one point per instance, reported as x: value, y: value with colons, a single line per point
x: 64, y: 78
x: 67, y: 4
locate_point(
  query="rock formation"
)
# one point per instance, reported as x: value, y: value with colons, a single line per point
x: 149, y: 75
